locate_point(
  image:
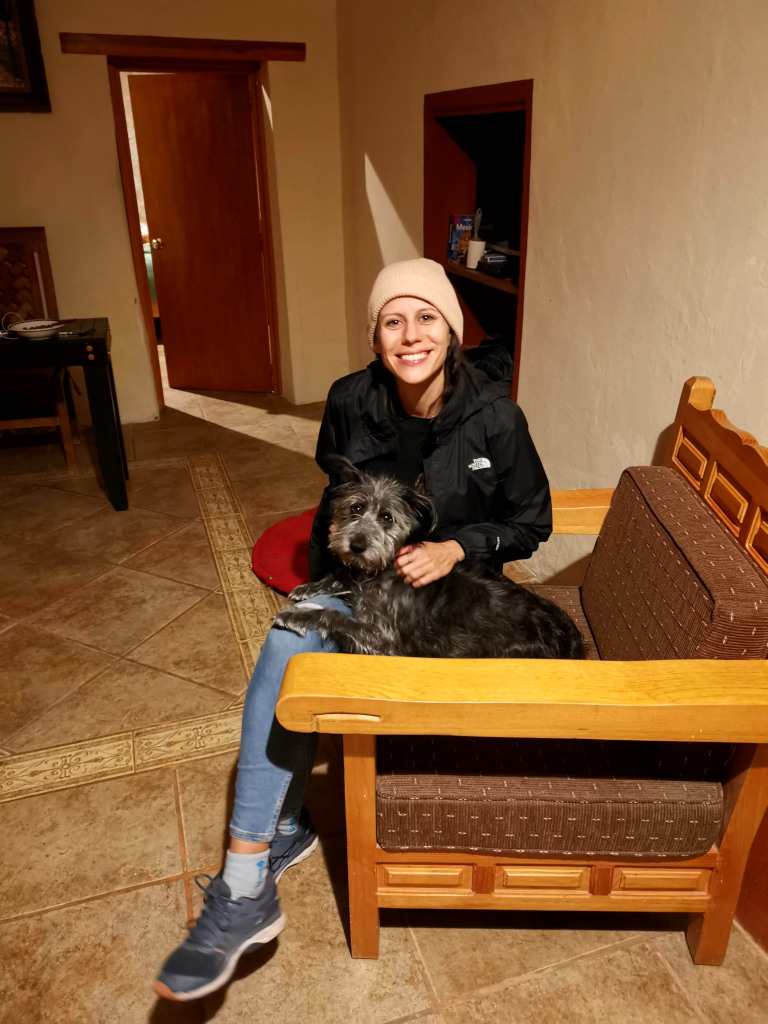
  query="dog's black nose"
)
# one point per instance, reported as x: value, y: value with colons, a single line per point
x: 357, y: 545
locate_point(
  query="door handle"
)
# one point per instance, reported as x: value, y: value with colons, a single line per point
x: 157, y: 243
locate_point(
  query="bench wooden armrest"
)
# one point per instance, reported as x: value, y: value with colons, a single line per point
x: 680, y: 700
x: 581, y: 511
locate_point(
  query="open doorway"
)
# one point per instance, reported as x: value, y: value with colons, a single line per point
x: 201, y: 212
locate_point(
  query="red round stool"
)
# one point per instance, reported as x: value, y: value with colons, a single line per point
x: 281, y: 554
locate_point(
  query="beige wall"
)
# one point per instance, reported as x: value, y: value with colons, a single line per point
x: 648, y: 240
x: 60, y: 170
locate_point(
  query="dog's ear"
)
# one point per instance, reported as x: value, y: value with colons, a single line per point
x: 425, y: 513
x: 340, y: 467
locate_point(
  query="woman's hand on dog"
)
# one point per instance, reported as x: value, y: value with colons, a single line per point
x: 420, y: 564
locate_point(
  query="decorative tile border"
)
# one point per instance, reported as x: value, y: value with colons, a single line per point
x: 75, y: 764
x: 251, y: 606
x: 183, y: 741
x: 61, y: 767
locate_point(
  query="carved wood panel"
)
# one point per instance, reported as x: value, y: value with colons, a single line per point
x: 26, y: 283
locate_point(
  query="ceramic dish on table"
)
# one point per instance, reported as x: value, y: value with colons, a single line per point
x: 36, y: 330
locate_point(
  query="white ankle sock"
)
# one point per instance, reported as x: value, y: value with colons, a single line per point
x: 287, y: 826
x: 246, y: 873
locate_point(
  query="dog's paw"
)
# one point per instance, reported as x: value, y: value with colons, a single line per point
x: 291, y: 620
x: 303, y: 592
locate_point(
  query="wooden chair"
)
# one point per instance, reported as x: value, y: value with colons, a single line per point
x: 689, y: 702
x: 31, y: 398
x: 36, y: 398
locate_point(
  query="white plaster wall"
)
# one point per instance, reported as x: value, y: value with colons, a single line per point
x: 648, y: 228
x: 60, y: 170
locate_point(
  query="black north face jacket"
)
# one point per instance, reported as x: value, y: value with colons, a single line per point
x: 481, y: 469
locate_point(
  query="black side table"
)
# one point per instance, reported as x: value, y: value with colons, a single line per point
x: 91, y: 351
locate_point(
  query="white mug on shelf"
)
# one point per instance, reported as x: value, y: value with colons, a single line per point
x: 474, y: 252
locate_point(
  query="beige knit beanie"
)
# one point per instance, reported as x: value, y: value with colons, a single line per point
x: 423, y: 279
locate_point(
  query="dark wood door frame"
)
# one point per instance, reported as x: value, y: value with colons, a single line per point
x: 481, y: 99
x: 160, y: 53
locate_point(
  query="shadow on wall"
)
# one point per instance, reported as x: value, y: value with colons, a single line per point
x: 394, y: 241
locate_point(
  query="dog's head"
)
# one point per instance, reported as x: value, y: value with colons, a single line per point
x: 374, y: 516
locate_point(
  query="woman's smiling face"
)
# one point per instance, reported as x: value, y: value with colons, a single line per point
x: 412, y: 339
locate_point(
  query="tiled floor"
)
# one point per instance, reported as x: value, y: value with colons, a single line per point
x: 125, y: 644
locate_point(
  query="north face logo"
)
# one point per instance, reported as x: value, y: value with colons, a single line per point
x: 479, y: 464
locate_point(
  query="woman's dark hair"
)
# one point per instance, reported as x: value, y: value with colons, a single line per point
x: 453, y: 361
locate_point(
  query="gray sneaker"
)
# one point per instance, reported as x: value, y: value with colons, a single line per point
x: 286, y: 851
x: 225, y: 929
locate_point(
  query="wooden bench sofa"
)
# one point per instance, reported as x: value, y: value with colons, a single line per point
x: 634, y: 780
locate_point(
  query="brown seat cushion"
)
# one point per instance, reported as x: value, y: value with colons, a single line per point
x: 539, y: 797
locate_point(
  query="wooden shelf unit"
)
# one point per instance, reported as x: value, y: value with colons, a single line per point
x: 477, y: 147
x: 476, y: 275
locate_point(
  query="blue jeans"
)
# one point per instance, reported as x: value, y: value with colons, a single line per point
x: 274, y: 764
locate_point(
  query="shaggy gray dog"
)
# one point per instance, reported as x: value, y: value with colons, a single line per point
x: 472, y: 612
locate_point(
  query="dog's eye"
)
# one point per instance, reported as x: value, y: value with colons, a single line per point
x: 385, y: 517
x: 356, y: 509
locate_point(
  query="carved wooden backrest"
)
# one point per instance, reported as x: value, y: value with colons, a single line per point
x: 725, y: 465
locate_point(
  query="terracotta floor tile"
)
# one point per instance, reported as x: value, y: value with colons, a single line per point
x: 302, y: 443
x: 185, y: 556
x: 312, y: 412
x: 199, y: 645
x: 259, y: 402
x: 37, y: 573
x: 735, y: 991
x: 171, y: 493
x: 36, y: 671
x: 207, y: 792
x: 169, y: 418
x: 11, y: 487
x: 92, y: 839
x: 90, y: 484
x: 94, y: 486
x: 118, y: 535
x: 231, y: 422
x: 45, y: 510
x: 494, y: 946
x: 157, y: 464
x: 187, y: 402
x: 95, y: 963
x: 23, y: 458
x: 119, y: 610
x: 124, y: 697
x: 626, y: 986
x: 152, y: 443
x: 333, y: 987
x: 260, y: 459
x: 86, y: 459
x: 279, y: 490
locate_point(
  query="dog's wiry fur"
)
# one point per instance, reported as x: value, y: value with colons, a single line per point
x: 470, y: 613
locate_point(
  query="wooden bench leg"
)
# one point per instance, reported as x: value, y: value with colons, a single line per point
x: 746, y: 797
x: 360, y: 799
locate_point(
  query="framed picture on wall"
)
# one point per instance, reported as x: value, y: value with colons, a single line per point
x: 22, y: 76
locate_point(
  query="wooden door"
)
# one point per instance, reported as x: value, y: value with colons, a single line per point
x: 197, y: 159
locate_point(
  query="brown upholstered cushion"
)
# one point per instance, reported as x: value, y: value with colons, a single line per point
x: 462, y: 793
x: 667, y: 580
